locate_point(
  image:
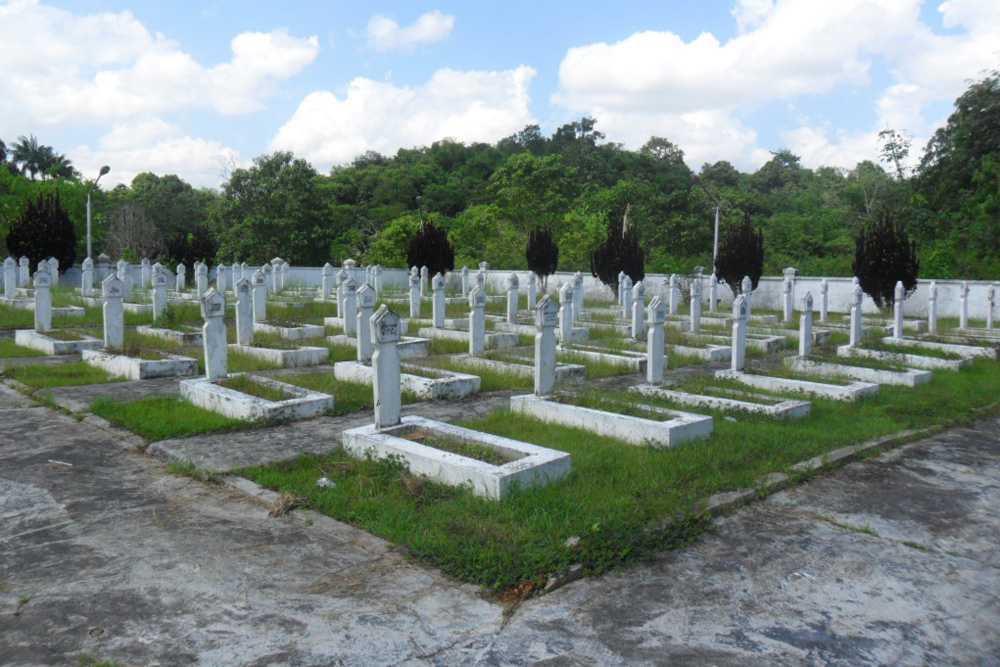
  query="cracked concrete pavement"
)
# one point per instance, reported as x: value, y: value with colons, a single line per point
x: 892, y: 560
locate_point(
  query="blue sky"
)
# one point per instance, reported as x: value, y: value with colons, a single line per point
x: 195, y: 88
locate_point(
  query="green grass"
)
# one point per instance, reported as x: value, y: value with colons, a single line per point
x: 249, y: 385
x: 163, y: 417
x: 491, y: 380
x: 342, y: 353
x: 347, y: 396
x: 447, y: 346
x: 615, y: 491
x: 64, y: 375
x: 16, y: 318
x: 912, y: 349
x: 596, y: 368
x: 9, y: 350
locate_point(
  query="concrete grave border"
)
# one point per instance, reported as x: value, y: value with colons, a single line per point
x: 208, y: 394
x: 172, y: 365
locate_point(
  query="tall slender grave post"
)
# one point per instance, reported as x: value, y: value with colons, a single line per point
x: 655, y: 341
x: 932, y: 323
x: 696, y: 306
x: 513, y: 296
x: 9, y: 278
x: 327, y: 282
x: 213, y: 309
x: 201, y: 279
x: 806, y: 326
x: 179, y: 281
x: 259, y: 296
x: 366, y: 307
x: 244, y: 311
x: 963, y: 305
x: 465, y: 281
x: 424, y: 279
x: 621, y: 287
x: 639, y: 311
x: 566, y: 314
x: 54, y: 270
x: 221, y: 283
x: 438, y: 302
x: 385, y: 367
x: 990, y: 299
x: 350, y: 306
x: 626, y: 298
x: 146, y: 274
x: 824, y: 300
x: 674, y: 295
x: 577, y: 295
x: 746, y: 288
x: 43, y: 300
x: 546, y: 318
x: 414, y: 295
x: 87, y: 281
x: 787, y: 294
x: 377, y: 272
x: 532, y: 290
x: 740, y: 316
x: 341, y: 279
x: 114, y: 312
x: 897, y: 310
x: 159, y: 294
x: 857, y: 330
x: 24, y: 274
x: 477, y: 321
x: 713, y: 293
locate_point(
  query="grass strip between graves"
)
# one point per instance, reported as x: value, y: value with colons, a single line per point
x: 615, y: 491
x: 64, y: 375
x: 164, y: 417
x: 9, y: 350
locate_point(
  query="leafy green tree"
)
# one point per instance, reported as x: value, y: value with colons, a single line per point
x: 620, y: 251
x: 43, y: 231
x: 741, y: 253
x: 430, y: 247
x: 273, y: 209
x: 391, y: 243
x: 883, y: 256
x: 542, y: 254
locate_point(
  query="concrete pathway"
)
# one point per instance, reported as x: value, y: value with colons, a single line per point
x: 893, y: 560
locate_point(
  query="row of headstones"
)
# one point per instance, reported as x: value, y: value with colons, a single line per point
x: 275, y: 272
x: 18, y: 273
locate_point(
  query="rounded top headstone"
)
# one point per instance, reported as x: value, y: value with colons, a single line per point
x: 546, y: 312
x: 112, y: 287
x: 42, y: 278
x: 438, y: 282
x: 477, y: 297
x: 385, y: 326
x: 88, y: 264
x: 213, y: 304
x: 932, y: 292
x: 258, y: 278
x: 160, y: 278
x: 242, y: 287
x: 512, y: 281
x: 900, y: 291
x: 9, y: 263
x: 366, y: 296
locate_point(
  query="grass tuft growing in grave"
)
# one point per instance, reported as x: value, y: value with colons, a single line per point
x: 64, y: 375
x: 600, y: 515
x: 9, y: 350
x: 163, y: 417
x: 347, y: 396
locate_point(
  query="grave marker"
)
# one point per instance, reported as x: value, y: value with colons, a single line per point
x: 639, y: 311
x: 857, y: 332
x: 113, y: 292
x: 932, y: 323
x: 9, y: 278
x: 366, y: 307
x: 424, y: 276
x: 350, y: 307
x: 655, y: 341
x: 577, y: 295
x: 805, y: 326
x: 963, y: 305
x: 24, y: 275
x: 532, y: 290
x: 54, y: 270
x: 696, y: 306
x: 513, y: 296
x: 259, y: 296
x: 180, y: 282
x: 159, y: 294
x: 43, y: 300
x: 477, y: 321
x: 990, y: 298
x: 787, y: 294
x: 897, y: 310
x: 145, y: 274
x: 546, y: 318
x: 244, y: 311
x: 626, y: 298
x: 465, y: 281
x: 385, y: 366
x: 87, y: 279
x: 414, y: 295
x: 201, y: 279
x: 341, y: 279
x: 327, y: 285
x: 213, y: 309
x: 674, y: 294
x: 438, y: 300
x: 566, y: 314
x: 746, y: 289
x: 741, y: 313
x: 713, y: 293
x: 824, y: 299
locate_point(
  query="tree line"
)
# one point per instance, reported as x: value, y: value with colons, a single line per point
x: 489, y: 198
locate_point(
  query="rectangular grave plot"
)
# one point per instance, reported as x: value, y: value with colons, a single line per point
x: 235, y: 404
x: 171, y: 365
x: 746, y: 402
x: 54, y: 346
x: 533, y: 465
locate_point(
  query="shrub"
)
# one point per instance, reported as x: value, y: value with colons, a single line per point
x: 430, y: 247
x: 620, y: 252
x: 542, y: 254
x: 741, y: 253
x: 44, y: 230
x: 884, y: 255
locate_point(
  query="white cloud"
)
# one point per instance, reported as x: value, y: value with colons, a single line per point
x: 656, y: 83
x: 155, y: 146
x: 379, y: 116
x: 385, y: 34
x: 63, y: 68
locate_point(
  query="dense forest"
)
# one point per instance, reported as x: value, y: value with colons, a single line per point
x: 574, y: 182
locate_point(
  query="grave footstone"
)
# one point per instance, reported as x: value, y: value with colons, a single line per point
x: 481, y: 279
x: 639, y: 311
x: 566, y: 314
x: 386, y: 386
x: 414, y: 295
x: 696, y: 306
x: 963, y: 305
x: 259, y: 296
x: 159, y: 294
x: 805, y: 326
x: 513, y: 296
x: 897, y: 310
x: 268, y: 272
x: 655, y: 341
x: 621, y: 288
x: 276, y: 285
x: 237, y: 273
x: 740, y: 316
x: 213, y: 332
x: 113, y: 292
x: 221, y: 284
x: 244, y: 311
x: 326, y: 288
x: 366, y: 307
x: 546, y: 318
x: 350, y: 306
x: 932, y: 322
x: 43, y: 300
x: 9, y: 278
x: 201, y: 280
x: 379, y: 286
x: 477, y: 321
x: 87, y: 279
x: 438, y: 303
x: 284, y: 275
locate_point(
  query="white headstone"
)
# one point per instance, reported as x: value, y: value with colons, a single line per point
x: 43, y: 300
x: 655, y: 342
x: 857, y: 331
x: 366, y: 307
x: 221, y: 283
x: 87, y: 279
x: 963, y: 306
x: 621, y: 288
x: 746, y: 287
x: 54, y: 270
x: 201, y: 280
x: 695, y: 306
x: 932, y: 323
x: 990, y: 305
x: 626, y: 298
x: 465, y: 281
x: 283, y: 276
x: 180, y: 282
x: 259, y: 281
x: 269, y: 279
x: 513, y: 296
x: 350, y: 307
x: 24, y: 266
x: 674, y: 294
x: 477, y: 321
x: 824, y: 299
x: 414, y: 295
x: 713, y: 293
x: 237, y: 273
x: 146, y: 274
x: 740, y: 316
x: 897, y: 310
x: 159, y: 294
x: 546, y: 318
x: 806, y: 326
x: 532, y: 290
x: 213, y: 310
x: 244, y: 311
x: 639, y: 311
x: 341, y: 279
x: 378, y: 279
x: 327, y: 285
x: 481, y: 279
x: 9, y: 278
x: 438, y: 303
x: 577, y: 295
x: 787, y: 295
x: 424, y: 278
x: 385, y: 336
x: 113, y: 292
x: 566, y: 313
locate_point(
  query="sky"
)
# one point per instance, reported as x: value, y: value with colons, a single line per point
x: 198, y: 89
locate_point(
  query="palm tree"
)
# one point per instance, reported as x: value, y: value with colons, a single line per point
x: 27, y: 153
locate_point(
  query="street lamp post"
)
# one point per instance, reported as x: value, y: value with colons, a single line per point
x: 105, y: 169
